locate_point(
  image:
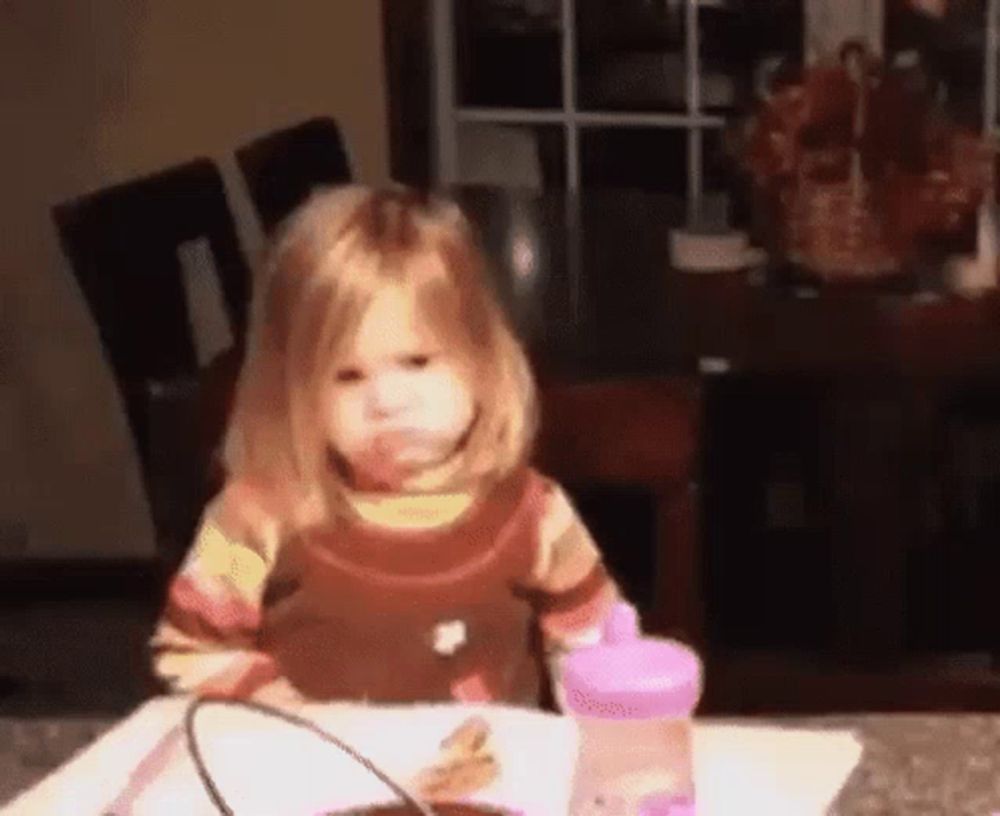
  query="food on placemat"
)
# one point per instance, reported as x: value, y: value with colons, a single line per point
x: 467, y: 764
x: 470, y: 737
x: 458, y: 778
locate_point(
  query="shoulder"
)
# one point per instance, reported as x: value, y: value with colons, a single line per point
x: 256, y: 515
x: 552, y: 503
x: 243, y: 507
x: 544, y: 504
x: 526, y: 491
x: 565, y: 550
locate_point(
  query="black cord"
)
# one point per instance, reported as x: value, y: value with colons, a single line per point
x: 292, y: 719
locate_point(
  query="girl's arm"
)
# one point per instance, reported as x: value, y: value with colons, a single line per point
x: 206, y: 638
x: 574, y: 589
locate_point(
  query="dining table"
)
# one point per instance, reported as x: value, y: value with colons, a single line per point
x: 915, y: 764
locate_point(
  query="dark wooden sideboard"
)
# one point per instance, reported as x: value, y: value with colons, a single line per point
x: 878, y: 394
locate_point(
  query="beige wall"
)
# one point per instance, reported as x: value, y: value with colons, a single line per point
x: 94, y: 92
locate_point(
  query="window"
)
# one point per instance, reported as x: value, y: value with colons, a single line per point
x: 588, y: 94
x: 612, y: 114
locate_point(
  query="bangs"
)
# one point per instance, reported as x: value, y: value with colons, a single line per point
x: 327, y: 339
x: 458, y: 319
x: 438, y: 272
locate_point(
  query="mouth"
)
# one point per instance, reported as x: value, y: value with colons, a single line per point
x: 399, y: 441
x: 393, y: 455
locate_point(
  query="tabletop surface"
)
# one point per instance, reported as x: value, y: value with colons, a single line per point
x: 912, y: 763
x: 920, y: 764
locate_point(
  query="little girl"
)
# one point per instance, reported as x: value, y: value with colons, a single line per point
x: 381, y: 536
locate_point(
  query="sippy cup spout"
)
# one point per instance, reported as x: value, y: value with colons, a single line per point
x: 630, y: 676
x: 622, y: 624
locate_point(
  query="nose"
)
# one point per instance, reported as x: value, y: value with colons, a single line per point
x: 388, y: 395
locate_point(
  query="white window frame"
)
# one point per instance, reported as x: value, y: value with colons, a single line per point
x: 449, y: 116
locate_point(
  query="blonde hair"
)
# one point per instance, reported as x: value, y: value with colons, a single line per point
x: 321, y: 273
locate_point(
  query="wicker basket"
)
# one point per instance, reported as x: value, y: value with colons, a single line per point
x: 835, y: 231
x: 838, y: 216
x: 835, y: 226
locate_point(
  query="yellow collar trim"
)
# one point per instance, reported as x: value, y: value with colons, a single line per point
x: 403, y: 511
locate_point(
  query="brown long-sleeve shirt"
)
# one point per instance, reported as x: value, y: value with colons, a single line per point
x: 456, y: 605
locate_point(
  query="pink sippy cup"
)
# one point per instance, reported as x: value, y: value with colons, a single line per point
x: 633, y: 698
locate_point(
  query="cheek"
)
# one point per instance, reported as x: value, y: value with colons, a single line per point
x: 343, y: 417
x: 451, y: 401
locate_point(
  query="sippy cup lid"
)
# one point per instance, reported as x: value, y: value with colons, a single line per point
x: 667, y: 805
x: 631, y: 677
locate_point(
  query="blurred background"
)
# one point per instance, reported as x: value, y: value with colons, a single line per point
x: 813, y: 471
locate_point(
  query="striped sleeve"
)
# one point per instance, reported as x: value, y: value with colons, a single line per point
x: 206, y: 638
x: 574, y: 588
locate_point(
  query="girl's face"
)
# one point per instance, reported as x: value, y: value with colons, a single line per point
x: 397, y: 402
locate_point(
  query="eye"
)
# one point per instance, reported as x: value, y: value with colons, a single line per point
x: 417, y: 360
x: 349, y: 375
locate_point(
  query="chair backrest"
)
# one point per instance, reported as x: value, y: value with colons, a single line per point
x: 621, y: 431
x: 122, y: 243
x: 637, y: 434
x: 282, y: 168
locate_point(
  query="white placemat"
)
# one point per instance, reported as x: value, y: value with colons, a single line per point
x: 777, y: 771
x: 265, y: 767
x: 739, y: 769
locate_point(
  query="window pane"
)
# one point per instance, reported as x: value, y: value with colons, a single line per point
x: 655, y: 160
x: 512, y: 155
x: 650, y: 159
x: 738, y: 41
x: 948, y: 40
x: 508, y: 53
x: 630, y: 55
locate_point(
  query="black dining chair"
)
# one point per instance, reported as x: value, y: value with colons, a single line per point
x: 282, y: 168
x: 122, y: 244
